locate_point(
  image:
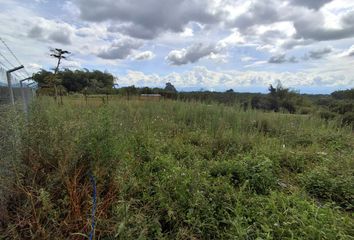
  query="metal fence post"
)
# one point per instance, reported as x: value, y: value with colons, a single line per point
x: 25, y: 102
x: 8, y: 76
x: 33, y: 91
x: 12, y: 99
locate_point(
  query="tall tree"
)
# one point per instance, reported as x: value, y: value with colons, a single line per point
x: 170, y: 88
x: 58, y: 54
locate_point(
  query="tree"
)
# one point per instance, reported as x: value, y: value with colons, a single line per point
x: 256, y: 102
x: 282, y: 98
x: 272, y: 90
x: 58, y: 54
x: 128, y: 91
x: 42, y: 78
x: 344, y: 94
x: 273, y: 99
x: 170, y: 88
x: 78, y: 80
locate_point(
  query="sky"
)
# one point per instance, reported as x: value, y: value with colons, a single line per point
x: 245, y: 45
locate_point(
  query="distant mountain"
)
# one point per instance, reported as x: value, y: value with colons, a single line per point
x: 14, y: 85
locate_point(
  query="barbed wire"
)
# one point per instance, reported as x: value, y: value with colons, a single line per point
x: 7, y: 60
x: 14, y: 56
x: 11, y: 66
x: 12, y: 53
x: 2, y: 64
x: 6, y: 67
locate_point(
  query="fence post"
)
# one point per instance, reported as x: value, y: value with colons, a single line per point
x: 33, y: 91
x: 9, y: 84
x: 8, y: 76
x: 25, y: 102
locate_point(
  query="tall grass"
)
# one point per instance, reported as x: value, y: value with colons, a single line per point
x: 175, y: 170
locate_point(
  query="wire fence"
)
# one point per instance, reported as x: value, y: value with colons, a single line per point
x: 22, y: 94
x: 11, y: 129
x: 11, y: 149
x: 15, y: 90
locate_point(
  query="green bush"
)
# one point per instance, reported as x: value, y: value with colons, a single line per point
x: 342, y: 107
x: 280, y: 216
x: 305, y: 110
x: 257, y: 171
x: 327, y: 115
x: 321, y: 184
x: 348, y: 119
x: 293, y: 162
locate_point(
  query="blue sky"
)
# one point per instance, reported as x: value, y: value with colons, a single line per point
x: 308, y: 45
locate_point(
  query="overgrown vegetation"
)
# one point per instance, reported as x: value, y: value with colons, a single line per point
x: 174, y: 170
x: 339, y: 105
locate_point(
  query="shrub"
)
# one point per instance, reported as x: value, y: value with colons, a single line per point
x: 282, y: 216
x: 289, y: 106
x: 293, y: 162
x: 327, y: 115
x: 321, y: 184
x: 257, y: 171
x: 348, y: 119
x: 263, y: 125
x: 305, y: 110
x: 342, y: 107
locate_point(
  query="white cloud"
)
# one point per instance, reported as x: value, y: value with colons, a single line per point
x: 202, y: 77
x: 148, y: 19
x: 119, y: 49
x: 319, y: 53
x: 34, y: 67
x: 312, y: 4
x: 247, y: 59
x: 218, y: 57
x: 71, y: 64
x: 233, y: 39
x: 191, y: 54
x: 146, y: 55
x: 348, y: 53
x: 188, y: 32
x: 51, y: 31
x: 217, y: 32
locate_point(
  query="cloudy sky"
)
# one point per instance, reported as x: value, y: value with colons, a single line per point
x: 216, y: 44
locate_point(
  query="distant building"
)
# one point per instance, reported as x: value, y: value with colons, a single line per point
x: 153, y: 97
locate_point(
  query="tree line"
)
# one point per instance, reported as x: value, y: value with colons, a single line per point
x: 340, y: 104
x: 75, y: 81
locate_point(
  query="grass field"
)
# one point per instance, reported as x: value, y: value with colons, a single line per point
x: 174, y: 170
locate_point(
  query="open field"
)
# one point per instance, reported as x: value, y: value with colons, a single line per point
x: 173, y: 170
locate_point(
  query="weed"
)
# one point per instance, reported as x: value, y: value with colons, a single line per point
x: 173, y: 170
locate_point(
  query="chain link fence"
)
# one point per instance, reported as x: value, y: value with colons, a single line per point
x: 11, y: 126
x: 22, y: 94
x: 11, y: 131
